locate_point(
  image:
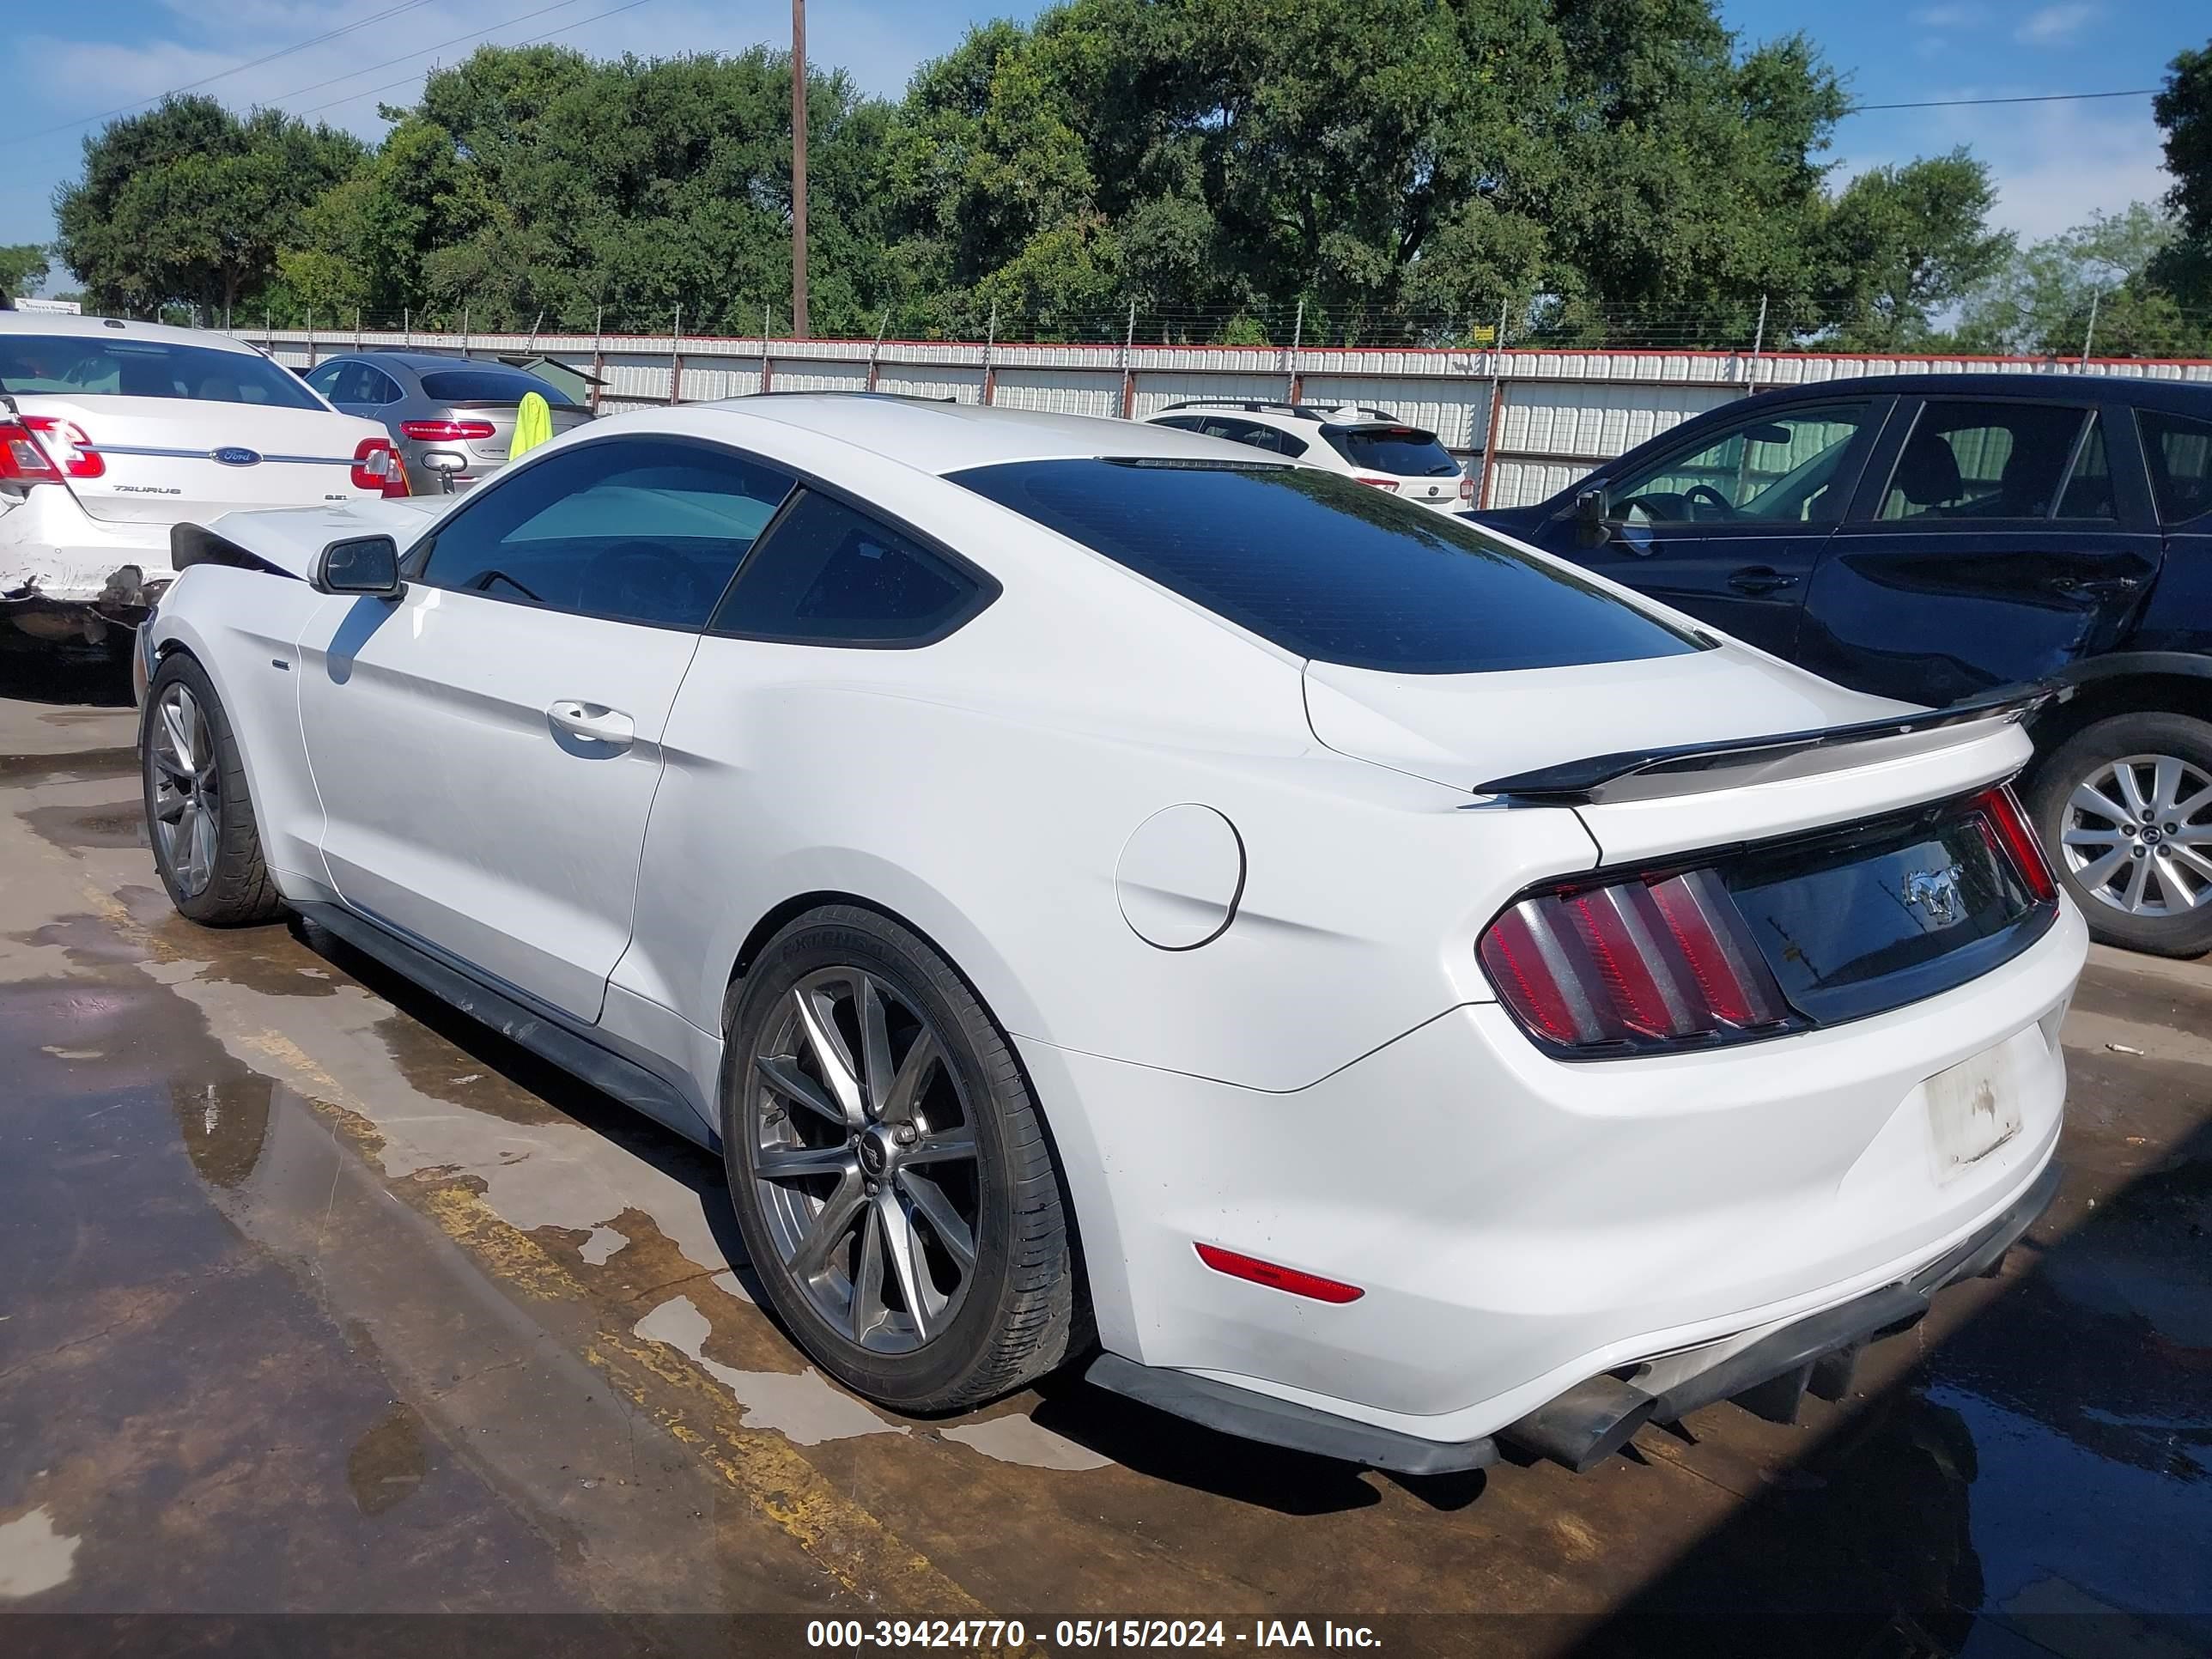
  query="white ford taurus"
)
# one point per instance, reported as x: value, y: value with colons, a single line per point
x: 1334, y: 974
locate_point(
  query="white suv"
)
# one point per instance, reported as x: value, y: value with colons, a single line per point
x: 1371, y: 445
x: 111, y: 432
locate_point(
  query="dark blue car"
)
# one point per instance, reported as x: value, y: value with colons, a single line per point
x: 1932, y: 536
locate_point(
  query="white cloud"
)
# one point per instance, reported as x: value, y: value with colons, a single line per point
x: 2052, y: 26
x: 1948, y: 16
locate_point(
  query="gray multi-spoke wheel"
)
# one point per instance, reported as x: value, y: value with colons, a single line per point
x: 863, y: 1158
x: 889, y: 1168
x: 187, y: 788
x: 2125, y: 806
x: 200, y: 815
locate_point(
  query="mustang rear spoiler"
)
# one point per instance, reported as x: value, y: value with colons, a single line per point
x: 1644, y: 773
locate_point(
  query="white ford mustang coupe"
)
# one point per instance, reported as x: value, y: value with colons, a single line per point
x: 1116, y: 900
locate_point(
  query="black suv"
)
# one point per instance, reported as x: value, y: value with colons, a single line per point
x: 1930, y: 537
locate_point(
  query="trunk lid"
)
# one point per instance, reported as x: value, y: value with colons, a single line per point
x: 493, y: 450
x: 159, y: 456
x: 1464, y: 730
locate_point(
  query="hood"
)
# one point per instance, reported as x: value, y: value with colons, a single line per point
x: 289, y: 539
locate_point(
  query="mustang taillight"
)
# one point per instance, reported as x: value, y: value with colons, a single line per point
x: 2006, y: 824
x: 1634, y: 963
x: 39, y: 449
x: 376, y: 466
x: 447, y: 431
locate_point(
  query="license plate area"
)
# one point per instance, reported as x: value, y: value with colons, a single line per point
x: 1974, y: 1107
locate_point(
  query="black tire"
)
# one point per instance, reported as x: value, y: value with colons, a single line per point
x: 237, y: 890
x: 1017, y: 1316
x: 2083, y: 759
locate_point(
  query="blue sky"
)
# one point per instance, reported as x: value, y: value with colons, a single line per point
x: 2054, y: 162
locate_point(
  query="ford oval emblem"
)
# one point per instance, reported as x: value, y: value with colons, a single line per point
x: 235, y: 457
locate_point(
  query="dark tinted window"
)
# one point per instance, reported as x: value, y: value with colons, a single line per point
x: 1995, y: 461
x: 1404, y: 451
x: 485, y: 386
x: 1329, y: 568
x: 323, y: 377
x: 93, y: 366
x: 2089, y: 488
x: 835, y: 576
x: 2180, y: 452
x: 634, y: 529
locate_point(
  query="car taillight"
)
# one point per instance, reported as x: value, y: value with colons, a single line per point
x: 39, y: 449
x: 1639, y: 962
x: 1380, y: 483
x: 1466, y: 490
x: 447, y: 431
x: 376, y: 466
x: 2006, y: 826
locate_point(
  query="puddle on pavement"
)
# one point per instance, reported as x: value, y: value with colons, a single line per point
x: 74, y: 828
x: 33, y: 1556
x: 387, y: 1464
x: 68, y: 768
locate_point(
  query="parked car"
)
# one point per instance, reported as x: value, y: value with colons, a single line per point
x: 111, y: 432
x: 1930, y: 537
x: 1371, y: 445
x: 1114, y: 897
x: 451, y: 418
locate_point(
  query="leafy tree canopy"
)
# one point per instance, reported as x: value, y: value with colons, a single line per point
x: 22, y: 267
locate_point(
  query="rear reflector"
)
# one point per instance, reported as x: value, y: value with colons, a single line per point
x: 1276, y: 1278
x: 447, y: 431
x: 1636, y: 964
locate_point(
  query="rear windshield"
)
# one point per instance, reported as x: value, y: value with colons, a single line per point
x: 485, y: 386
x: 1329, y: 567
x: 1404, y: 451
x: 93, y: 366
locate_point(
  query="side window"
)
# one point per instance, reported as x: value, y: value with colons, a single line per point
x: 829, y: 575
x: 2180, y: 453
x: 645, y: 530
x: 2089, y: 492
x: 323, y: 377
x: 1966, y: 460
x: 1272, y: 439
x: 378, y: 387
x: 1778, y: 468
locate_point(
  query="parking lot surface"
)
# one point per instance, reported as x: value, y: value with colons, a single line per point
x: 315, y: 1298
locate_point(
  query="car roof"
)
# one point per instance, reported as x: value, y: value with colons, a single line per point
x: 2181, y: 396
x: 422, y: 361
x: 62, y: 323
x: 1287, y: 416
x: 942, y: 438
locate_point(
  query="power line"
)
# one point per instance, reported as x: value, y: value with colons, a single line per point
x: 2039, y: 98
x: 408, y: 80
x: 235, y: 69
x: 420, y: 52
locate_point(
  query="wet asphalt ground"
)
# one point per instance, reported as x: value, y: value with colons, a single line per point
x: 317, y: 1299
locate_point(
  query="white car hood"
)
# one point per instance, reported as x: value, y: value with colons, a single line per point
x: 291, y: 537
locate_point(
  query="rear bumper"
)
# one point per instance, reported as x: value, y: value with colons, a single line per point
x: 1769, y: 1371
x: 66, y: 575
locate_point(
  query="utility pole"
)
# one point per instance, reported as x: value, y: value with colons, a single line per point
x: 2089, y: 334
x: 798, y: 169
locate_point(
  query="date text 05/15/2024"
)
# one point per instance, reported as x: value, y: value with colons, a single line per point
x: 1012, y: 1635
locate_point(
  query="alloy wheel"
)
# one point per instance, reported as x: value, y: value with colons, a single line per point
x: 864, y: 1159
x: 2137, y: 835
x: 187, y: 820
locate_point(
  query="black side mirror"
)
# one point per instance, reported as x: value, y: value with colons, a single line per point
x: 360, y: 564
x: 1592, y: 512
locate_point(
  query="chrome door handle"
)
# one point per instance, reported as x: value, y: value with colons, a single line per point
x: 593, y: 722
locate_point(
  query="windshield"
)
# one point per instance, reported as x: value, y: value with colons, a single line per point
x: 486, y: 386
x: 1403, y: 451
x: 91, y: 366
x: 1326, y: 566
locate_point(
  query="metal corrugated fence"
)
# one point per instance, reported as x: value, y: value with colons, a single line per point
x: 1557, y: 413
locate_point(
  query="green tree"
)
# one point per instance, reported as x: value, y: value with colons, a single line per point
x: 2043, y: 301
x: 2183, y: 109
x: 189, y: 205
x: 1903, y: 244
x: 22, y: 267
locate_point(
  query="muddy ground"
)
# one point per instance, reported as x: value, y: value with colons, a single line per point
x: 317, y: 1299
